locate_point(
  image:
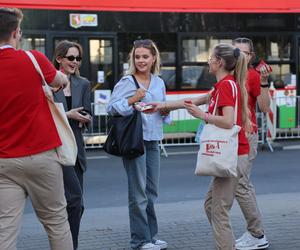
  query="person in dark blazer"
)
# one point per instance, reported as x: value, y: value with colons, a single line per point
x: 76, y: 98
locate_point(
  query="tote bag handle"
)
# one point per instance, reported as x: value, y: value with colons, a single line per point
x: 234, y: 94
x: 47, y: 89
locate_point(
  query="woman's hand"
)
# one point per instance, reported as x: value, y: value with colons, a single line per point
x: 264, y: 73
x: 79, y: 115
x: 157, y: 107
x: 139, y: 94
x: 194, y: 110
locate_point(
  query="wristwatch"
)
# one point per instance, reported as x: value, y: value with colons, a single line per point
x: 265, y: 85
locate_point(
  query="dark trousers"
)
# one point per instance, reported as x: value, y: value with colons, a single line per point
x: 73, y: 183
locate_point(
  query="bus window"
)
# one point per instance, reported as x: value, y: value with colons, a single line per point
x: 194, y: 70
x: 168, y: 69
x: 31, y: 42
x: 280, y: 75
x: 168, y: 74
x: 276, y: 51
x: 197, y: 77
x: 274, y: 48
x: 194, y: 50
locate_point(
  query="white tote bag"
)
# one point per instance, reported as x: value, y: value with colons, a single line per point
x: 218, y: 153
x: 67, y: 152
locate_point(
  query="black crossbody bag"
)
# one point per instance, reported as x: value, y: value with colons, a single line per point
x: 125, y: 134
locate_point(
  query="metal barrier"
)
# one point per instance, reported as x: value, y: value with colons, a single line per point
x: 181, y: 132
x: 287, y: 117
x: 282, y: 122
x: 96, y: 135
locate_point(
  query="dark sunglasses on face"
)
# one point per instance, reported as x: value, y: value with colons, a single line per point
x: 142, y: 42
x: 242, y: 40
x: 72, y: 58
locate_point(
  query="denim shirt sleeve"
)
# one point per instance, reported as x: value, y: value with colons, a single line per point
x: 118, y: 103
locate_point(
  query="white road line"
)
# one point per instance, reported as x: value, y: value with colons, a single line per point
x: 182, y: 153
x: 97, y: 157
x: 169, y: 153
x: 291, y: 147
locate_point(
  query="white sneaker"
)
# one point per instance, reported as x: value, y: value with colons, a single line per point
x: 149, y: 246
x: 161, y: 243
x: 249, y: 242
x: 242, y: 238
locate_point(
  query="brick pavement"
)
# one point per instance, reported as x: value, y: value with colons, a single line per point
x: 183, y: 225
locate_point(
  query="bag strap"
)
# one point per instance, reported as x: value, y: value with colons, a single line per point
x: 136, y: 82
x: 47, y: 90
x: 234, y: 94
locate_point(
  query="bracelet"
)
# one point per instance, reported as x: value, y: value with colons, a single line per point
x: 264, y: 85
x: 206, y: 117
x: 165, y: 109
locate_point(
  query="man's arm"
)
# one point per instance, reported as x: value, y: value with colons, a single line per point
x: 263, y: 99
x: 60, y: 80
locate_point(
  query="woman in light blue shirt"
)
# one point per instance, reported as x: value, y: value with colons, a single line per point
x: 143, y: 171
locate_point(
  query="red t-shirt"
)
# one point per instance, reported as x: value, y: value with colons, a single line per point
x: 224, y: 90
x: 253, y: 88
x: 26, y: 124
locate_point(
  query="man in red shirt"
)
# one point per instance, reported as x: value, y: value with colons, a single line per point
x: 258, y: 93
x: 28, y: 138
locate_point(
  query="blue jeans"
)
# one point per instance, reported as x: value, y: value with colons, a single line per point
x: 143, y: 180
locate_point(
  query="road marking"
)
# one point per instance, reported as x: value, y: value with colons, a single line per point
x: 291, y: 147
x: 97, y: 157
x: 169, y: 153
x: 182, y: 153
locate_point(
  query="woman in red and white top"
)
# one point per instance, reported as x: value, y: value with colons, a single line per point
x: 226, y: 63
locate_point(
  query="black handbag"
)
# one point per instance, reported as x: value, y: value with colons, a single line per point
x: 125, y: 135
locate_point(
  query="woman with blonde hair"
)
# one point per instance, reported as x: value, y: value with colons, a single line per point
x: 143, y: 171
x: 227, y: 64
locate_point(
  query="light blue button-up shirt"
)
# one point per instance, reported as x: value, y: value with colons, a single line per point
x: 156, y: 92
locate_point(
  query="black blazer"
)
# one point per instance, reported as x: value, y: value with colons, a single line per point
x: 81, y: 97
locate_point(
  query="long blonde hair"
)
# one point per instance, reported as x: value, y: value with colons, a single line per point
x: 236, y: 61
x: 151, y: 46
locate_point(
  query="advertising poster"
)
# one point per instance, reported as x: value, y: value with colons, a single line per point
x: 101, y: 98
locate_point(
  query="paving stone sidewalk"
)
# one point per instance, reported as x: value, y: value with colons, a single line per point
x: 183, y: 225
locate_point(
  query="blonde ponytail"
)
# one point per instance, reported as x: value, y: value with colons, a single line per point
x: 240, y: 74
x: 235, y: 61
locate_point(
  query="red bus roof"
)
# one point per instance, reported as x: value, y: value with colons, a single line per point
x: 221, y: 6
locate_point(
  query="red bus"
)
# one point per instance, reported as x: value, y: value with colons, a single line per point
x: 184, y: 31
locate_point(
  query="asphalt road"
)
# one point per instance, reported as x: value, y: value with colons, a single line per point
x: 105, y: 182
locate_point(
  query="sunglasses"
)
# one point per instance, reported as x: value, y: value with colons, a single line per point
x: 72, y: 58
x: 242, y: 40
x: 143, y: 42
